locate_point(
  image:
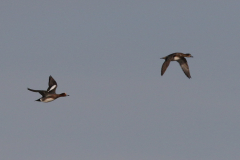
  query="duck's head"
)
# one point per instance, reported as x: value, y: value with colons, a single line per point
x: 63, y: 95
x: 188, y: 55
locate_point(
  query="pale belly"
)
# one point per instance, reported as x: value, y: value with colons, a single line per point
x: 48, y: 100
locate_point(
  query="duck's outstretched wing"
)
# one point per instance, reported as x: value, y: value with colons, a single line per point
x: 52, y: 85
x: 184, y: 65
x: 165, y: 65
x: 43, y: 93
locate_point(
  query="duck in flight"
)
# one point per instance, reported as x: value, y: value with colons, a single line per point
x: 179, y: 57
x: 50, y: 94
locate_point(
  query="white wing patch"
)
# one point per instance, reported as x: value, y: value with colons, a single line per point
x: 54, y: 86
x: 176, y: 58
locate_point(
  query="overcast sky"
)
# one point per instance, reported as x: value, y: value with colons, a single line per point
x: 105, y: 55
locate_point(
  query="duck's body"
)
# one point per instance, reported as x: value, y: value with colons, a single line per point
x: 179, y: 57
x: 49, y: 95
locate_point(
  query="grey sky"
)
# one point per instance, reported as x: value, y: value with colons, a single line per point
x: 105, y: 55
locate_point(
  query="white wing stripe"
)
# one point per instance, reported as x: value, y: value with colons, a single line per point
x: 54, y: 86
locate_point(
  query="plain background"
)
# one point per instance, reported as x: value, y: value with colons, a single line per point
x: 105, y: 55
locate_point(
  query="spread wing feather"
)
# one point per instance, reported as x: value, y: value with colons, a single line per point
x: 52, y: 85
x: 166, y: 64
x: 43, y: 93
x: 184, y: 65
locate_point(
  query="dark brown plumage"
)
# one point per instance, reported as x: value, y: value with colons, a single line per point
x: 179, y: 57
